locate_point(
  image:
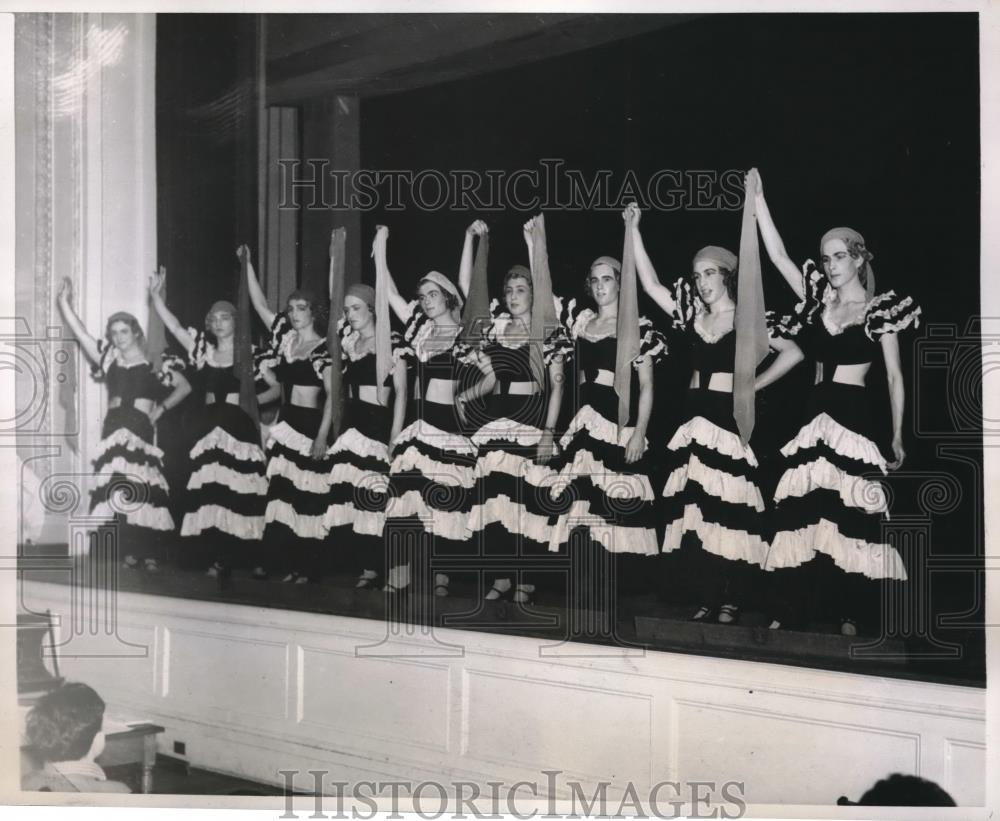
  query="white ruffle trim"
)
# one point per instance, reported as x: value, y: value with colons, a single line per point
x: 737, y: 490
x: 308, y: 527
x: 442, y: 473
x: 614, y: 485
x: 123, y: 436
x: 154, y: 518
x: 235, y: 524
x: 498, y: 461
x: 428, y: 434
x: 705, y: 433
x: 507, y: 430
x: 824, y: 428
x: 362, y: 522
x: 792, y: 548
x: 285, y: 435
x: 143, y: 473
x: 247, y: 483
x: 369, y: 480
x: 512, y: 516
x: 599, y: 428
x: 353, y: 441
x: 855, y: 491
x: 615, y: 538
x: 715, y: 538
x: 220, y: 439
x: 448, y: 524
x: 305, y: 480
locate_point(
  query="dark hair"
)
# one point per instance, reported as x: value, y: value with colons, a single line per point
x: 64, y: 722
x: 128, y: 319
x: 450, y: 300
x: 730, y: 278
x: 319, y: 309
x: 900, y: 790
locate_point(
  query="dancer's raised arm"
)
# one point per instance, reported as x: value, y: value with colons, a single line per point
x: 772, y: 239
x: 644, y: 266
x: 477, y: 229
x: 180, y: 333
x: 87, y: 342
x: 400, y: 307
x: 257, y: 296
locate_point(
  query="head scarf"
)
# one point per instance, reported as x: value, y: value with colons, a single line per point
x: 611, y: 262
x: 749, y: 321
x: 720, y: 256
x: 850, y: 238
x: 443, y: 281
x: 223, y: 306
x: 242, y: 345
x: 363, y: 292
x: 628, y: 323
x: 477, y: 312
x: 521, y: 271
x: 543, y: 309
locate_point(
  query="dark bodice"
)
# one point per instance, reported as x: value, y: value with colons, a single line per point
x: 596, y: 355
x: 218, y: 381
x: 298, y: 372
x: 717, y: 356
x: 510, y: 365
x: 849, y: 347
x: 134, y: 382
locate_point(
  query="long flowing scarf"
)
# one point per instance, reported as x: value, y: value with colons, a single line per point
x: 749, y: 322
x: 543, y: 309
x: 338, y: 262
x: 243, y: 348
x: 628, y: 328
x: 383, y: 339
x: 477, y: 308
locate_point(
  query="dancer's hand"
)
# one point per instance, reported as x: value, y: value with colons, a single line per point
x: 460, y: 409
x: 243, y: 251
x: 478, y: 228
x: 898, y: 452
x: 156, y: 282
x: 156, y: 413
x: 753, y: 184
x: 381, y: 236
x: 318, y: 449
x: 546, y: 448
x: 636, y: 445
x: 66, y: 290
x: 633, y: 212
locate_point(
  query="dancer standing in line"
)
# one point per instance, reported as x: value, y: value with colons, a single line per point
x: 516, y: 444
x: 227, y: 489
x: 604, y: 474
x: 712, y: 490
x: 129, y: 466
x: 433, y: 468
x: 298, y: 468
x: 374, y: 371
x: 827, y: 501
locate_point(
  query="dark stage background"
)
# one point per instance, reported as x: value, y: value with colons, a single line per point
x: 864, y: 120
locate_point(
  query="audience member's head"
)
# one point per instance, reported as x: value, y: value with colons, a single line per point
x: 65, y: 724
x: 900, y: 790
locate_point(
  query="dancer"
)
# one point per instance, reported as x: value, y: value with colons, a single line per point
x: 604, y: 480
x: 227, y: 490
x: 516, y: 444
x: 827, y: 501
x: 712, y: 490
x: 298, y: 469
x: 129, y: 466
x: 433, y: 468
x: 360, y: 456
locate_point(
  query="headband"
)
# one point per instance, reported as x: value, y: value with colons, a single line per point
x: 720, y: 256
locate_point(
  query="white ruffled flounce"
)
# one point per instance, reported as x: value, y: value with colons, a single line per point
x: 512, y: 516
x: 308, y: 527
x: 514, y: 464
x: 705, y: 433
x: 249, y: 528
x: 154, y: 518
x: 507, y: 430
x: 308, y: 481
x: 249, y: 484
x: 369, y: 480
x: 132, y: 471
x: 598, y: 428
x: 435, y: 437
x: 448, y: 524
x: 614, y: 485
x: 285, y: 435
x: 362, y: 522
x: 737, y: 490
x: 715, y: 538
x: 824, y: 428
x: 411, y: 459
x: 124, y: 436
x: 792, y: 548
x: 219, y: 439
x: 615, y: 538
x: 854, y: 491
x: 353, y: 441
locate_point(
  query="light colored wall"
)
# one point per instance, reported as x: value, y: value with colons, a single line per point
x: 252, y: 691
x: 85, y: 209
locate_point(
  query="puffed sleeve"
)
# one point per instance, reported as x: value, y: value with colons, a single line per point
x: 170, y: 366
x: 890, y: 313
x: 320, y: 360
x: 686, y: 303
x: 788, y: 326
x: 196, y: 356
x: 652, y: 343
x: 557, y: 347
